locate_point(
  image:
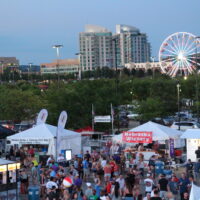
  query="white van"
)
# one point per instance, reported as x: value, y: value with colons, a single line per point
x: 185, y: 125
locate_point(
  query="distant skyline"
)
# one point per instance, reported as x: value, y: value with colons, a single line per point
x: 30, y: 28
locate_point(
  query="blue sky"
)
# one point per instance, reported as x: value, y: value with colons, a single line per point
x: 30, y: 27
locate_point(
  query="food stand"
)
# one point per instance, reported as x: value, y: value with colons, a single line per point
x: 192, y: 137
x: 43, y: 136
x: 151, y: 134
x: 8, y: 179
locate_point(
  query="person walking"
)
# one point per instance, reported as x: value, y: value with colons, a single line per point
x: 149, y: 183
x: 197, y: 169
x: 86, y: 170
x: 116, y: 192
x: 183, y: 185
x: 163, y: 186
x: 174, y: 187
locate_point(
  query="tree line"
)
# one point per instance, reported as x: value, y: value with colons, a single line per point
x: 154, y: 97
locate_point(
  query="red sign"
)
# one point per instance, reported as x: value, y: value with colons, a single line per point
x: 137, y: 137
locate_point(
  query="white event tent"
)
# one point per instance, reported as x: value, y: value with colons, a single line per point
x: 192, y: 137
x: 45, y: 134
x: 159, y: 132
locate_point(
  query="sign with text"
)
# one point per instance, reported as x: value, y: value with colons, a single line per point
x: 137, y: 137
x: 102, y: 119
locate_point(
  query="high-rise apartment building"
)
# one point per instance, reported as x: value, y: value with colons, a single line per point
x: 99, y: 48
x: 95, y: 48
x: 133, y: 45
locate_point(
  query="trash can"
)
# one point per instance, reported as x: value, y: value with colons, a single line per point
x: 33, y: 193
x: 159, y: 166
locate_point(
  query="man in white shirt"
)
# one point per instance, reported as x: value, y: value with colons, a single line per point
x: 60, y: 158
x: 51, y: 183
x: 148, y: 182
x: 121, y: 182
x: 49, y: 159
x: 103, y: 163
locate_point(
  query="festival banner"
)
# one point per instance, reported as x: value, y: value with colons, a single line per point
x: 61, y: 126
x: 42, y: 117
x: 137, y: 137
x: 171, y: 147
x: 62, y: 120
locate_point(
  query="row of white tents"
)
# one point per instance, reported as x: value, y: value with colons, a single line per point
x: 45, y: 134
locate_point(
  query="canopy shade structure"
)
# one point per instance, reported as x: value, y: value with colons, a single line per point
x: 159, y: 132
x: 191, y: 134
x: 45, y: 134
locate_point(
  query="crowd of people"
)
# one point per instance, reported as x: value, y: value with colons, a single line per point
x: 105, y: 175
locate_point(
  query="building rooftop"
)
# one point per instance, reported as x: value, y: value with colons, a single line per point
x: 121, y: 28
x: 95, y: 29
x: 62, y: 62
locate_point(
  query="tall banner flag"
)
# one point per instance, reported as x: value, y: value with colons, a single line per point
x: 42, y: 117
x: 171, y: 147
x: 61, y: 125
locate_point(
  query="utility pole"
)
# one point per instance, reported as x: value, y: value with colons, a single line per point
x: 57, y: 47
x: 178, y: 102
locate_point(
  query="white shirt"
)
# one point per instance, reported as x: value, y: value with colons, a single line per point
x: 148, y: 184
x: 50, y: 184
x: 49, y: 159
x: 60, y: 158
x: 103, y: 163
x: 121, y: 183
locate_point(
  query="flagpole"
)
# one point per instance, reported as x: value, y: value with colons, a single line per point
x: 93, y: 118
x: 112, y: 118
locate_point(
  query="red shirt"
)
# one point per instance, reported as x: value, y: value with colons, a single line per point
x: 108, y: 187
x: 107, y: 169
x: 116, y: 168
x: 31, y: 151
x: 112, y: 164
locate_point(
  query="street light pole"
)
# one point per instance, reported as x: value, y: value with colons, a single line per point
x: 197, y: 85
x: 153, y: 60
x: 80, y: 66
x: 29, y: 68
x: 178, y: 101
x: 57, y: 47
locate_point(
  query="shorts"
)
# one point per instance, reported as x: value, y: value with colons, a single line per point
x: 107, y: 175
x: 86, y: 171
x: 116, y: 173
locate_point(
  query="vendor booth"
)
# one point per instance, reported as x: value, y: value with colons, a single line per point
x: 192, y: 137
x: 151, y: 132
x: 8, y: 179
x: 44, y: 135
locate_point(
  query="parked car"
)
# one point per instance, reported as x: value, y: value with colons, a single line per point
x: 168, y: 121
x: 123, y: 123
x: 184, y: 125
x: 132, y: 115
x: 22, y: 127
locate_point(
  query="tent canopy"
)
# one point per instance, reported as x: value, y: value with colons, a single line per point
x: 159, y: 132
x: 41, y: 132
x: 191, y: 134
x: 45, y: 134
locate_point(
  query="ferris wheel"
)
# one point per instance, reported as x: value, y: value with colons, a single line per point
x: 180, y: 54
